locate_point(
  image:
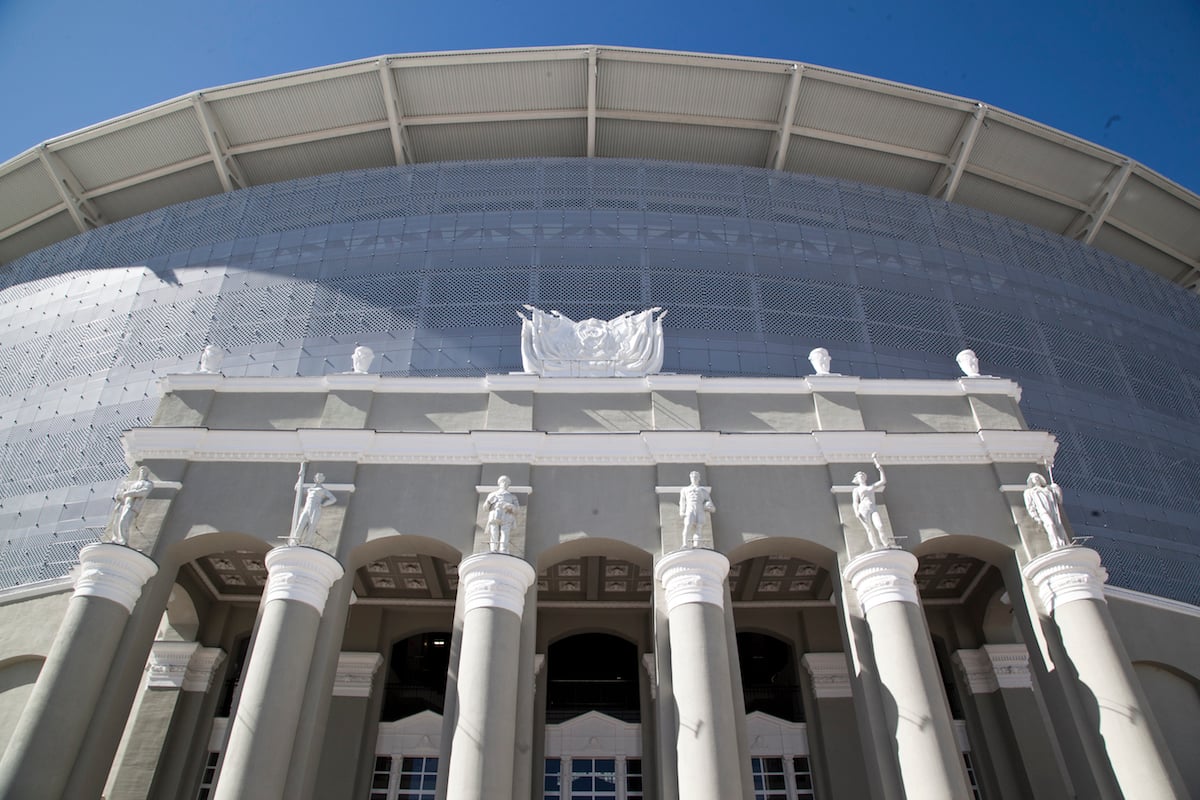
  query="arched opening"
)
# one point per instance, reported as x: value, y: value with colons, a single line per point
x: 769, y: 678
x: 416, y: 678
x: 592, y: 672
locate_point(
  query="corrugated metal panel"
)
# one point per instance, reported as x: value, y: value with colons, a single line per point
x: 1124, y: 246
x: 1011, y: 202
x: 177, y: 187
x: 361, y: 151
x: 516, y: 139
x: 876, y: 116
x: 302, y: 108
x: 474, y: 88
x: 27, y: 191
x: 819, y: 157
x: 48, y: 231
x: 620, y: 138
x: 1162, y: 215
x: 1038, y: 161
x: 693, y: 90
x: 152, y: 143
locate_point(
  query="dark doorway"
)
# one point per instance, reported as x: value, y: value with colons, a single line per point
x: 769, y: 676
x: 416, y: 679
x: 592, y: 672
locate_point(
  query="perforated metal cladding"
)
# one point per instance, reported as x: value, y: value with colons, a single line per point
x: 429, y: 264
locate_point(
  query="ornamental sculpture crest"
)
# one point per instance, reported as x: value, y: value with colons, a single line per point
x: 554, y: 346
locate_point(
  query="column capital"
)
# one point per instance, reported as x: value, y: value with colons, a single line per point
x: 114, y: 572
x: 355, y: 672
x: 1010, y: 664
x: 696, y: 575
x: 1066, y: 575
x: 303, y: 574
x: 830, y: 675
x: 168, y: 663
x: 883, y: 576
x: 202, y: 668
x: 495, y: 580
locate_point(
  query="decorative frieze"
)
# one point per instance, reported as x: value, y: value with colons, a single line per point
x: 693, y: 576
x: 184, y: 666
x: 355, y: 673
x: 829, y: 673
x: 303, y: 574
x: 495, y: 580
x: 1065, y: 576
x: 883, y: 576
x: 1010, y: 664
x: 114, y: 572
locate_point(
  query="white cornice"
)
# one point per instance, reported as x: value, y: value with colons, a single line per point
x: 539, y: 448
x: 355, y: 674
x: 1141, y: 598
x: 201, y: 381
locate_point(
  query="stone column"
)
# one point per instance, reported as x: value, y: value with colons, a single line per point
x: 342, y: 756
x: 1069, y: 585
x: 482, y: 749
x: 832, y: 727
x: 193, y: 711
x: 51, y: 729
x: 257, y: 759
x: 706, y: 734
x: 915, y: 707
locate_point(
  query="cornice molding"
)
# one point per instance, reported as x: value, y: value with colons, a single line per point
x: 830, y: 674
x: 355, y: 673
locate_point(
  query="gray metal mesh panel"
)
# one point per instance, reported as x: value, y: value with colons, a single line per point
x: 428, y: 264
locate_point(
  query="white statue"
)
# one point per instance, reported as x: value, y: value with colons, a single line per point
x: 820, y: 360
x: 1042, y: 502
x: 210, y: 359
x: 695, y: 504
x: 866, y: 509
x: 362, y: 358
x: 129, y: 499
x: 502, y: 508
x: 968, y: 362
x: 555, y: 346
x: 316, y: 498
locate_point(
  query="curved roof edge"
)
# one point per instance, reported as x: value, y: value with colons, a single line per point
x: 598, y: 101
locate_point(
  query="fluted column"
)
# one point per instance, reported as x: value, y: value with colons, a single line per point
x: 50, y: 731
x: 706, y: 725
x: 263, y: 729
x: 931, y: 766
x: 1069, y: 585
x: 494, y: 586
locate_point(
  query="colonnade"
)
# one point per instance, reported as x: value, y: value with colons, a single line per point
x: 699, y: 719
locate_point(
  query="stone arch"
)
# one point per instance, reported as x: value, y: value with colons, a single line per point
x: 404, y: 567
x: 593, y: 546
x: 401, y: 543
x: 593, y: 671
x: 180, y: 620
x: 986, y: 550
x: 779, y: 568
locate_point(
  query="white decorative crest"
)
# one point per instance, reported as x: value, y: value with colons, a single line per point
x: 554, y: 346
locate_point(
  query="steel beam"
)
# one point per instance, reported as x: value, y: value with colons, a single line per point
x: 1088, y: 224
x: 592, y: 79
x: 229, y: 172
x: 945, y: 183
x: 391, y: 99
x: 84, y: 212
x: 788, y: 117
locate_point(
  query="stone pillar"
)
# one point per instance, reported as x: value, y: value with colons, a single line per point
x: 706, y: 734
x: 51, y: 729
x: 833, y: 730
x: 494, y: 586
x: 193, y: 710
x: 342, y: 756
x: 257, y: 759
x: 1069, y: 586
x: 931, y: 766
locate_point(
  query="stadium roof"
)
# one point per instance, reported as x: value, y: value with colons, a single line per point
x: 599, y: 102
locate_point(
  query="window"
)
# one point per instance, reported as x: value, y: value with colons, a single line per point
x: 633, y: 779
x: 971, y: 779
x: 592, y: 779
x: 209, y: 777
x: 416, y: 778
x: 552, y: 783
x: 770, y: 780
x: 802, y: 770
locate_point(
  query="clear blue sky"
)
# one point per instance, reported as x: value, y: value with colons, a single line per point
x: 1123, y: 75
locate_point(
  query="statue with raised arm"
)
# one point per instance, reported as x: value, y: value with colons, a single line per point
x: 502, y: 508
x: 1043, y: 504
x: 695, y: 504
x: 866, y: 509
x: 316, y: 498
x: 129, y: 499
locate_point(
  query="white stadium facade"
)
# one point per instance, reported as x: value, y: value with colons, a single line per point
x: 415, y: 205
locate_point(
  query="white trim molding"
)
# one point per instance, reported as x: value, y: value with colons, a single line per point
x: 993, y: 667
x: 168, y: 664
x: 303, y: 574
x: 976, y: 670
x: 114, y: 572
x: 355, y: 673
x: 830, y: 674
x: 696, y: 575
x: 495, y: 580
x: 883, y: 576
x: 1066, y: 575
x: 202, y: 668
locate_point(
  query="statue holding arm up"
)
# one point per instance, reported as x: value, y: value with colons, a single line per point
x: 316, y: 498
x: 866, y: 509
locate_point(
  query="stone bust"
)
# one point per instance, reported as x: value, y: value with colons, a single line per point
x: 820, y: 360
x: 968, y: 362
